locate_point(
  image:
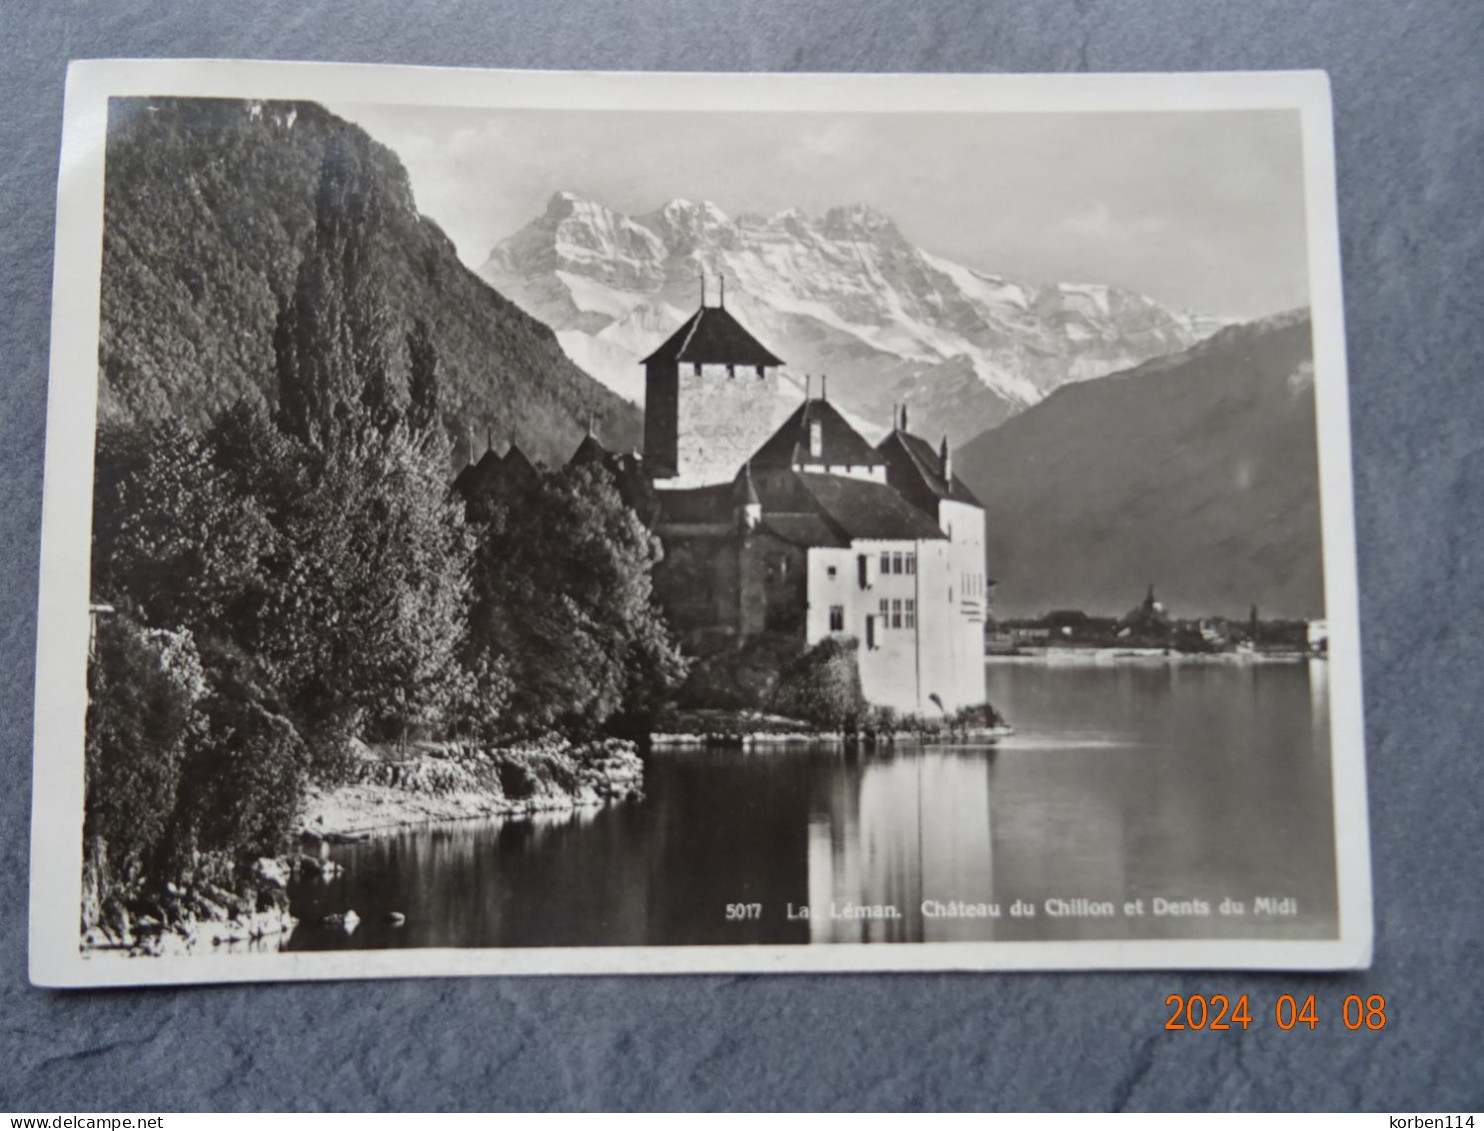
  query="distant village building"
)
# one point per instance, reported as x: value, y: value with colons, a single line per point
x: 1316, y: 635
x: 781, y: 521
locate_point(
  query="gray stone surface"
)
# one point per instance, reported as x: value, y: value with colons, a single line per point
x: 1408, y: 91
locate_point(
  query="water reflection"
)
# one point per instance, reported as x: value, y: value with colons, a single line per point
x: 1124, y: 782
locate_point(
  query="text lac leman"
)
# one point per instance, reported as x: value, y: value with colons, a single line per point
x: 848, y: 910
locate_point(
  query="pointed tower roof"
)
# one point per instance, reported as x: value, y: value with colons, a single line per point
x: 840, y: 444
x: 591, y: 450
x: 480, y: 476
x: 916, y: 468
x: 517, y: 470
x: 711, y: 336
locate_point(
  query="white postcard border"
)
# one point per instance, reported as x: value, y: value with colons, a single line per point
x: 63, y: 629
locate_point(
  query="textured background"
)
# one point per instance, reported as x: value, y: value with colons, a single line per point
x: 1409, y: 101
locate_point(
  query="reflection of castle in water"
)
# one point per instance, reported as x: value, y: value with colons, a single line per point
x: 934, y: 836
x: 898, y: 832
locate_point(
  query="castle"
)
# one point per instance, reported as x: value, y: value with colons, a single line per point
x: 781, y: 522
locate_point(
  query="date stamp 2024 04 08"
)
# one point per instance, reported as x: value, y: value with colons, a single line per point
x: 1220, y: 1012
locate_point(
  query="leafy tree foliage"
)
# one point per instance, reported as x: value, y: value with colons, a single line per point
x: 244, y: 781
x: 298, y: 573
x: 563, y: 598
x: 143, y: 688
x: 173, y: 535
x: 823, y: 686
x: 375, y: 606
x: 424, y: 407
x: 331, y: 348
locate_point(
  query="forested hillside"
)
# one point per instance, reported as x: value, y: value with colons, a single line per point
x: 1197, y: 473
x: 209, y: 208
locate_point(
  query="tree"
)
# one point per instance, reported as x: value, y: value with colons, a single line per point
x: 823, y: 686
x: 376, y: 559
x: 424, y: 397
x: 372, y: 613
x: 244, y: 779
x: 142, y: 691
x: 331, y: 340
x: 174, y: 538
x: 563, y: 599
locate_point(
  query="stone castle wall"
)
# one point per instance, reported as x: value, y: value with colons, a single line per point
x: 722, y: 420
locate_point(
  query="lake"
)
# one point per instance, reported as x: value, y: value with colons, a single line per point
x: 1177, y: 785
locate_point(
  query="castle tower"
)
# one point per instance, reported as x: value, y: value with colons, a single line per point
x: 712, y: 396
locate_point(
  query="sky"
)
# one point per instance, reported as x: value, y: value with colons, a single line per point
x: 1203, y: 211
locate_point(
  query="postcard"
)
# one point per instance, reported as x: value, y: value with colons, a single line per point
x: 518, y: 523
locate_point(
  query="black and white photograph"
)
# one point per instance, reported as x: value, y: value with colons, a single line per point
x: 500, y: 522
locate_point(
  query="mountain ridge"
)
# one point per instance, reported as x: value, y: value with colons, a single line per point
x: 844, y: 292
x: 1196, y: 472
x: 209, y: 207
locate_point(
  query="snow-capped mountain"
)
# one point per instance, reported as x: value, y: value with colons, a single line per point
x: 845, y: 294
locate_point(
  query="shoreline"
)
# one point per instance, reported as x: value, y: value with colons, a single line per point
x: 1071, y: 655
x: 432, y: 788
x: 345, y: 812
x: 430, y: 784
x: 752, y: 740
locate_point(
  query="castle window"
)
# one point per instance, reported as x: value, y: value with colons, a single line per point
x: 911, y: 563
x: 837, y: 618
x: 760, y: 371
x: 731, y: 371
x: 830, y: 572
x: 885, y: 563
x: 698, y: 369
x: 896, y: 614
x: 896, y: 563
x: 909, y: 614
x: 816, y: 439
x: 863, y: 568
x: 885, y: 617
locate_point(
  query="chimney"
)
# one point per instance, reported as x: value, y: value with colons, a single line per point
x: 947, y: 457
x: 703, y: 288
x: 723, y: 292
x: 752, y: 507
x: 808, y: 385
x: 904, y: 416
x: 824, y: 386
